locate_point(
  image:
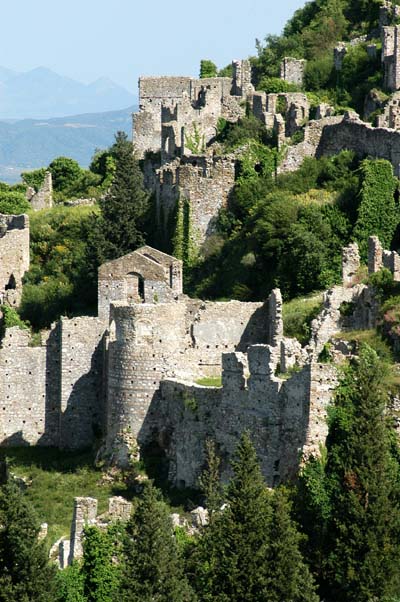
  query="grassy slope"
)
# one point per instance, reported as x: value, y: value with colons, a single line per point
x: 54, y: 478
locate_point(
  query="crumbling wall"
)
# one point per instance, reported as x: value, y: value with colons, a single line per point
x: 29, y: 410
x: 43, y: 198
x: 14, y: 256
x: 182, y: 339
x: 331, y: 135
x: 242, y: 85
x: 379, y: 258
x: 286, y: 418
x: 391, y: 57
x: 81, y: 395
x: 206, y: 182
x: 292, y: 70
x: 153, y: 91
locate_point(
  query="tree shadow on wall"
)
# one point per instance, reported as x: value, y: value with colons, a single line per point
x: 256, y: 330
x: 154, y: 439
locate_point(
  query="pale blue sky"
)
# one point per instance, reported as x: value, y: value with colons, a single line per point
x: 123, y: 39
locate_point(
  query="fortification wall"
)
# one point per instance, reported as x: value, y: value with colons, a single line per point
x: 331, y: 135
x: 52, y: 394
x: 82, y: 388
x: 29, y: 409
x: 149, y: 343
x: 206, y: 182
x: 285, y: 417
x: 14, y: 256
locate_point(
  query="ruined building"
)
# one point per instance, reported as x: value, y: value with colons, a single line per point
x: 43, y: 198
x: 129, y: 375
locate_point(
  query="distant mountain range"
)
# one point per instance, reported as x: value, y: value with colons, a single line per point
x: 42, y: 94
x: 30, y: 143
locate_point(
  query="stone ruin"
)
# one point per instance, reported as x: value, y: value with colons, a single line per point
x: 43, y: 198
x: 292, y: 70
x: 85, y: 514
x: 14, y: 257
x: 178, y: 119
x: 131, y: 373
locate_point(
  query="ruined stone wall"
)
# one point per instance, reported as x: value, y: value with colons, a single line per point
x: 14, y: 256
x: 331, y: 135
x: 29, y: 406
x: 242, y: 85
x: 82, y: 388
x: 206, y: 182
x: 391, y: 57
x: 292, y: 70
x: 153, y: 91
x: 182, y: 339
x: 379, y: 258
x: 43, y: 198
x: 285, y: 417
x: 52, y: 394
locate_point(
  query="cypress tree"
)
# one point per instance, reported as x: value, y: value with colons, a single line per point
x: 118, y: 230
x: 25, y: 572
x: 152, y: 569
x: 288, y: 576
x: 250, y: 550
x: 361, y: 542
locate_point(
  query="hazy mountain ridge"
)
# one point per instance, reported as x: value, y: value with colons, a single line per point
x: 42, y: 93
x: 32, y: 143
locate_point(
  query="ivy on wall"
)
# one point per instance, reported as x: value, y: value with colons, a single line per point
x: 378, y: 213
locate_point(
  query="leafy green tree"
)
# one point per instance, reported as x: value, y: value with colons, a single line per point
x: 34, y: 178
x: 208, y: 69
x: 65, y: 172
x: 13, y: 203
x: 100, y: 574
x: 152, y: 569
x: 70, y: 584
x: 377, y: 211
x: 25, y: 572
x: 117, y: 230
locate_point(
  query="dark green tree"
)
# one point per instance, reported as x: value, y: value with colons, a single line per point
x: 100, y: 574
x: 288, y: 576
x: 117, y: 230
x: 250, y: 551
x: 353, y: 504
x: 25, y: 572
x: 152, y: 568
x: 209, y: 480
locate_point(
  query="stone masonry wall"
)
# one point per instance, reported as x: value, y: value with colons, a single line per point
x: 14, y: 256
x: 285, y: 417
x: 292, y: 70
x: 82, y: 388
x: 43, y: 199
x: 206, y: 182
x: 331, y: 135
x: 29, y: 410
x: 147, y: 122
x: 149, y: 343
